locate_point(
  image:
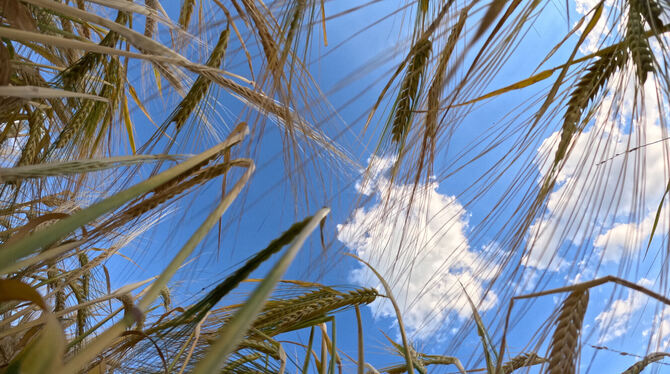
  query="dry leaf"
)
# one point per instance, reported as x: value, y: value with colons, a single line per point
x: 5, y: 66
x: 17, y: 15
x: 15, y: 290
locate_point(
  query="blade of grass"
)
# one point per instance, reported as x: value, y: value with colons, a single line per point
x: 483, y: 335
x: 232, y: 332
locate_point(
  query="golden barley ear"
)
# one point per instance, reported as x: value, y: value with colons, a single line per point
x: 637, y: 367
x: 565, y: 342
x: 298, y: 313
x: 150, y: 23
x: 521, y: 361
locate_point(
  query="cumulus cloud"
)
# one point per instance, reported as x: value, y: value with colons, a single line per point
x: 614, y: 322
x: 606, y: 195
x: 659, y: 333
x: 424, y: 253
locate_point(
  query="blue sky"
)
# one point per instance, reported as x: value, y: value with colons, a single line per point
x: 443, y: 246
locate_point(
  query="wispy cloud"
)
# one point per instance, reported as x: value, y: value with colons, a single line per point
x: 614, y: 321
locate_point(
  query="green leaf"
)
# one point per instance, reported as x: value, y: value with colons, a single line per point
x: 658, y: 216
x: 489, y: 352
x: 233, y: 332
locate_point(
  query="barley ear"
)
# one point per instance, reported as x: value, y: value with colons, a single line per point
x: 521, y: 361
x: 409, y: 92
x: 185, y: 13
x: 565, y: 342
x: 638, y: 43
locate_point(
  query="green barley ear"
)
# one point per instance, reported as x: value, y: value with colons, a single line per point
x: 565, y: 342
x: 74, y: 74
x: 30, y: 151
x: 650, y: 10
x: 588, y: 87
x: 262, y: 346
x: 199, y: 88
x: 638, y: 43
x: 55, y: 284
x: 642, y: 364
x: 86, y: 277
x: 200, y: 309
x: 408, y: 96
x: 82, y: 312
x: 75, y: 124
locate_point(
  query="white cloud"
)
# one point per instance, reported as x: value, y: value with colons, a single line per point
x: 10, y: 152
x: 602, y: 190
x: 426, y: 263
x: 660, y: 331
x: 603, y: 28
x: 614, y: 322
